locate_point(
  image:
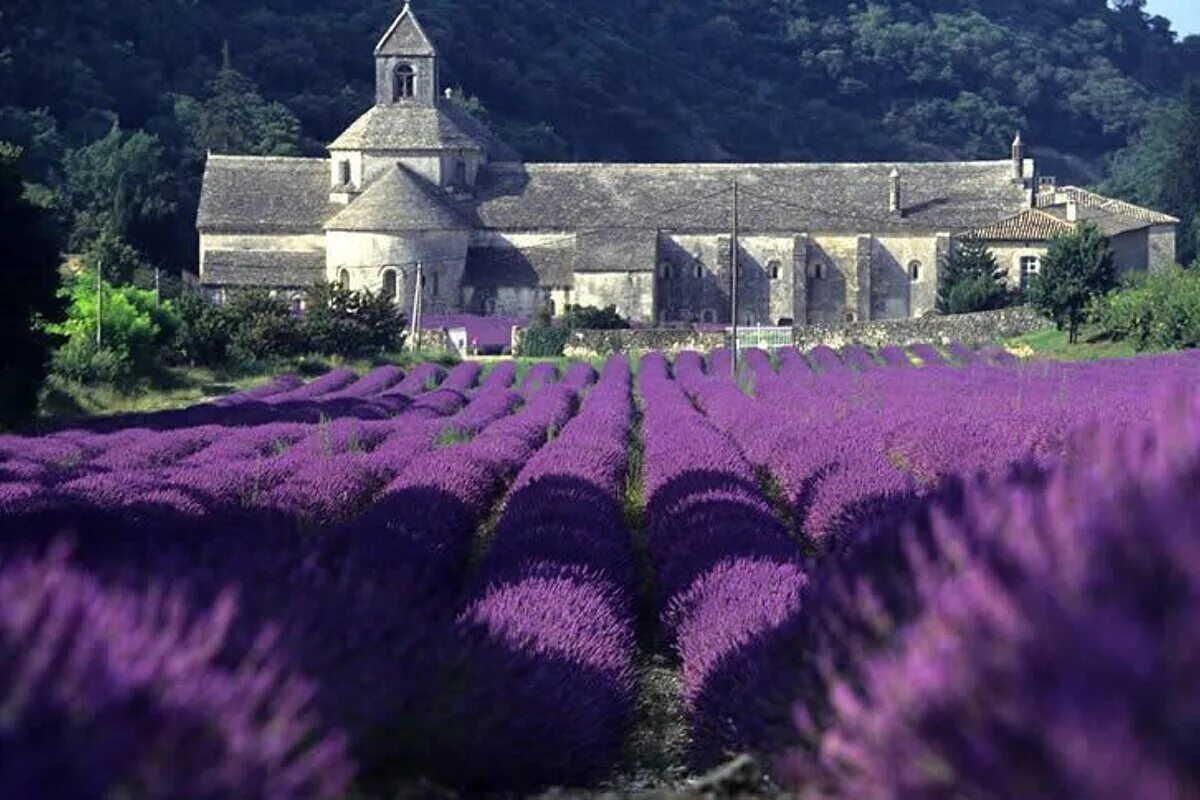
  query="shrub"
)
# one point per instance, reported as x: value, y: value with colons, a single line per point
x: 205, y: 330
x: 263, y: 327
x: 595, y: 319
x: 136, y: 333
x: 350, y: 323
x: 1155, y: 312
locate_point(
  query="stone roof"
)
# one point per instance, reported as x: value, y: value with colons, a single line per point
x: 400, y: 201
x: 416, y: 126
x: 283, y: 195
x: 1030, y: 225
x: 270, y: 269
x: 774, y: 197
x: 550, y: 266
x: 405, y: 37
x: 1085, y: 199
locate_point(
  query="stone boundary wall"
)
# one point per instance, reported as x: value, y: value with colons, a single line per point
x: 970, y: 329
x: 591, y: 344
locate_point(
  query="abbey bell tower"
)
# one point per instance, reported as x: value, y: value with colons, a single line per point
x: 406, y: 68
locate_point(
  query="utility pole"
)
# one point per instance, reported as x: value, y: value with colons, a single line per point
x: 416, y: 308
x: 99, y: 303
x: 157, y: 289
x: 734, y: 269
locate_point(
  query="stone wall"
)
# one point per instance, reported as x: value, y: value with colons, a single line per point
x: 590, y: 344
x: 971, y: 329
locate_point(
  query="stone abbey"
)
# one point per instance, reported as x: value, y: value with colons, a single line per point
x: 417, y: 180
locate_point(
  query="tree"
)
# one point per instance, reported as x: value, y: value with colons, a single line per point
x: 1078, y: 268
x: 970, y: 279
x: 116, y: 260
x: 595, y: 319
x: 119, y: 183
x: 29, y: 300
x: 235, y: 119
x: 340, y: 321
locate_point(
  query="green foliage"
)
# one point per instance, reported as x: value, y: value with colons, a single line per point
x: 595, y: 319
x: 543, y: 339
x: 1155, y: 312
x: 118, y: 183
x: 205, y: 330
x: 29, y: 254
x: 1077, y: 269
x: 264, y: 327
x: 340, y: 321
x: 1161, y: 167
x: 235, y: 119
x: 136, y: 333
x: 971, y: 279
x: 117, y: 261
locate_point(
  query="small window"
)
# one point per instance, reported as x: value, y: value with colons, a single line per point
x: 460, y: 174
x: 297, y: 304
x: 817, y: 270
x: 405, y: 85
x: 699, y: 270
x: 708, y: 316
x: 344, y: 278
x: 436, y: 283
x: 850, y: 316
x: 773, y: 267
x: 391, y: 285
x: 1030, y: 266
x: 343, y: 173
x: 664, y: 271
x: 914, y: 271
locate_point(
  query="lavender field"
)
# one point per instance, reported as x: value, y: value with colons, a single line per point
x: 921, y: 573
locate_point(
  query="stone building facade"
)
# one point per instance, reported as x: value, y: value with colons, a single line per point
x: 417, y: 180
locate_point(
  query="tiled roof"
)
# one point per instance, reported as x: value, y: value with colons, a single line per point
x: 1030, y: 225
x: 284, y: 195
x: 1117, y: 208
x: 270, y: 269
x: 775, y: 197
x: 400, y: 200
x: 405, y: 37
x: 545, y: 267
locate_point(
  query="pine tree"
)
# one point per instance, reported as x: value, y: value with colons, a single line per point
x: 236, y: 120
x: 971, y: 279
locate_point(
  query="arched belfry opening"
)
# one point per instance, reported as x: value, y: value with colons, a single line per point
x: 404, y: 83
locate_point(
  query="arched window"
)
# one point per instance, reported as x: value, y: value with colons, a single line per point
x: 699, y: 270
x: 914, y: 271
x: 773, y: 267
x: 344, y: 278
x: 817, y: 270
x: 297, y: 304
x: 391, y: 284
x: 708, y: 316
x: 405, y: 84
x: 343, y: 173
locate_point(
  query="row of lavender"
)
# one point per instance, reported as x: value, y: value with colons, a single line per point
x: 322, y: 606
x: 981, y: 533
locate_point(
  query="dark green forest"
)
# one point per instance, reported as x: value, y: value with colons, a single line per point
x: 115, y: 102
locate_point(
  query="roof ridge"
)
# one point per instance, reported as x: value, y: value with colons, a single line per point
x: 732, y: 165
x: 406, y: 13
x: 1106, y: 203
x: 264, y: 159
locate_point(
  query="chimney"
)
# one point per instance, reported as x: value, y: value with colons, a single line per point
x: 894, y: 192
x: 1072, y: 209
x: 1018, y: 159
